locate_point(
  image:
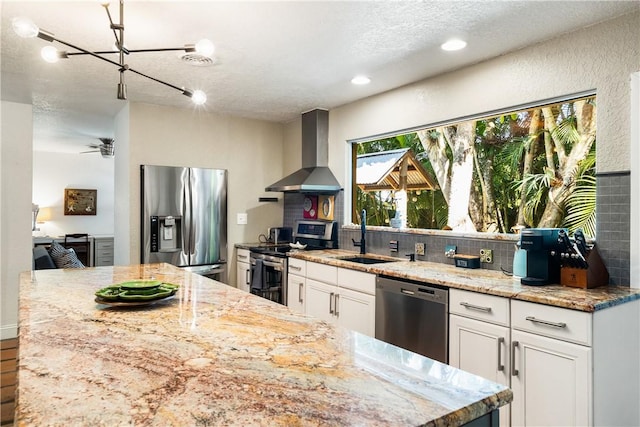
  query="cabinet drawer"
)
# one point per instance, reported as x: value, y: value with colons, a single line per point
x: 488, y: 308
x: 555, y: 322
x: 242, y: 255
x: 102, y: 261
x: 298, y: 266
x: 322, y: 272
x: 357, y: 280
x: 102, y: 245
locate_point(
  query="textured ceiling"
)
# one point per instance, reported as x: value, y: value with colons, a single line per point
x: 274, y: 60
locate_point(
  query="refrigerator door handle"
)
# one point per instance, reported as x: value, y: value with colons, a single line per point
x: 186, y: 209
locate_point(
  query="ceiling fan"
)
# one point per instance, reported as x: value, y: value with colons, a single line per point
x: 106, y: 148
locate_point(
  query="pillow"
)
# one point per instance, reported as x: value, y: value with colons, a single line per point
x: 63, y: 257
x: 42, y: 260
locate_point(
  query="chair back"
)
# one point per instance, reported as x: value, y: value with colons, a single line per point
x: 79, y: 242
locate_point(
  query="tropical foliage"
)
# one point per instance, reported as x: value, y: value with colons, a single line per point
x: 528, y: 168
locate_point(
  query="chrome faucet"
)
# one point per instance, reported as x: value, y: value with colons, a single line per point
x: 363, y: 232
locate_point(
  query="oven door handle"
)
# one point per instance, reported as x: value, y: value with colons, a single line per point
x: 275, y: 265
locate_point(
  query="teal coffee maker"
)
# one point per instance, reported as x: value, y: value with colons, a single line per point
x: 542, y: 246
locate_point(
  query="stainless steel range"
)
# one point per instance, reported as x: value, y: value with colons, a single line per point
x: 269, y: 262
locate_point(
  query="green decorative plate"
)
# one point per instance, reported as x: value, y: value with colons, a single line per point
x: 136, y: 291
x: 134, y: 296
x: 140, y: 284
x: 130, y: 304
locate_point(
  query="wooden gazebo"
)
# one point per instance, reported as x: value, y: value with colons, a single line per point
x: 392, y: 170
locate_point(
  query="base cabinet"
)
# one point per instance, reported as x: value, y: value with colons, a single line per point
x: 103, y: 251
x: 551, y: 382
x: 478, y: 346
x: 356, y: 311
x: 320, y: 297
x: 351, y: 309
x: 337, y: 295
x: 565, y: 367
x: 243, y: 270
x: 296, y: 285
x: 296, y: 289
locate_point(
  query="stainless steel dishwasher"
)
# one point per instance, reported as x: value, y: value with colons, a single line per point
x: 414, y: 316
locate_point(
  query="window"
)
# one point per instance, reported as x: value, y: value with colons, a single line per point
x: 531, y: 167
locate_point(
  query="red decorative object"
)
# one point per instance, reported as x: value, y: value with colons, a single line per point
x: 310, y: 210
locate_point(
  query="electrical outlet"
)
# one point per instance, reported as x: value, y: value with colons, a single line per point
x: 486, y: 256
x: 419, y: 249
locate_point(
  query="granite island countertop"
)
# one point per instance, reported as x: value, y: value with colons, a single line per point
x: 480, y: 280
x: 214, y: 355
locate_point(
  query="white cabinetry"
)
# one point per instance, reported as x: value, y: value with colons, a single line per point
x: 565, y: 367
x: 296, y: 284
x: 356, y: 301
x: 320, y: 298
x: 243, y: 270
x: 551, y: 378
x: 479, y: 337
x: 103, y: 251
x: 342, y: 296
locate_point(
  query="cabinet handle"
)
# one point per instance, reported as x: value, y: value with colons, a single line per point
x: 514, y: 371
x: 331, y: 302
x: 475, y: 307
x: 335, y: 305
x: 546, y: 322
x: 242, y: 256
x: 293, y: 267
x: 407, y: 291
x: 246, y: 276
x: 500, y: 365
x: 300, y: 292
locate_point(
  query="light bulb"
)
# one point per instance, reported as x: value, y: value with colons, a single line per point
x: 205, y: 48
x: 453, y: 44
x: 360, y: 80
x: 24, y: 27
x: 50, y: 54
x: 199, y: 97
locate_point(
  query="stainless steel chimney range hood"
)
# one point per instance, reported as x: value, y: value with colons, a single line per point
x: 315, y: 175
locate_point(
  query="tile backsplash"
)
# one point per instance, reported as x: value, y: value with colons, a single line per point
x: 612, y: 218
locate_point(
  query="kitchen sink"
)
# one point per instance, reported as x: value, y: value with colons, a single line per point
x: 366, y: 260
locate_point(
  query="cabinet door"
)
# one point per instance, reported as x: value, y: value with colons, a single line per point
x: 296, y: 293
x: 356, y: 311
x: 551, y: 382
x: 243, y: 276
x: 482, y: 349
x: 320, y: 300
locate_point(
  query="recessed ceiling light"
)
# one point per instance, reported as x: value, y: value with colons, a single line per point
x: 453, y: 44
x: 360, y: 80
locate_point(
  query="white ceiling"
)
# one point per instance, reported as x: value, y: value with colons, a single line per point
x: 274, y: 60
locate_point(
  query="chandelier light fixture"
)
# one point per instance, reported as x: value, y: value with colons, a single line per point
x: 202, y: 50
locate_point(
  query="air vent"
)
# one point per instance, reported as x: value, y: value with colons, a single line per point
x: 195, y: 59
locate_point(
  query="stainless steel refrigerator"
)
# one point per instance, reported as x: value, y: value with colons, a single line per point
x: 184, y: 218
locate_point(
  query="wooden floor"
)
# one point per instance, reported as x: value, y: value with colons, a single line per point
x: 9, y: 373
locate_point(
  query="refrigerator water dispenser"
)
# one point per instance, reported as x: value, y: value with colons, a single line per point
x: 165, y: 233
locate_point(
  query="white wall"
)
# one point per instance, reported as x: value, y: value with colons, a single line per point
x: 122, y: 234
x: 635, y: 181
x: 250, y: 150
x: 15, y: 206
x: 600, y: 57
x: 53, y: 172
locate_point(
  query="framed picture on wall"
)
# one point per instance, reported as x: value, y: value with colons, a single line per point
x: 80, y: 202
